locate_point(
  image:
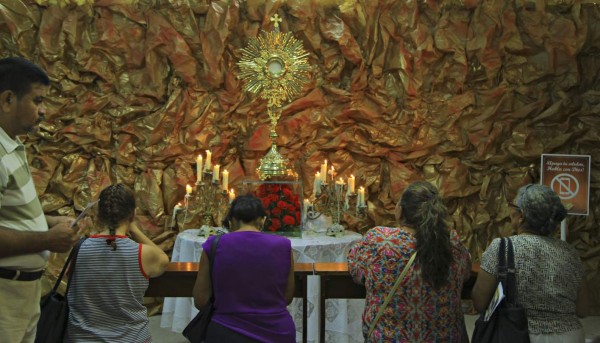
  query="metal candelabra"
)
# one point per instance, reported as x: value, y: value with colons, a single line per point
x: 209, y: 201
x: 333, y: 199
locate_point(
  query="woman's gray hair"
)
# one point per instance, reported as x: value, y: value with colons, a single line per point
x: 541, y: 207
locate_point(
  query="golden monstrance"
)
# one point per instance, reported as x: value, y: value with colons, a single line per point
x: 275, y: 66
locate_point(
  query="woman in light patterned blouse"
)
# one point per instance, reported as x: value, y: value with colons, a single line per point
x: 426, y: 306
x: 548, y: 270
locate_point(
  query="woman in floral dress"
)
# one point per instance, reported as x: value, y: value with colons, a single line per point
x: 426, y: 306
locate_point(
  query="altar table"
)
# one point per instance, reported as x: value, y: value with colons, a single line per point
x: 343, y: 316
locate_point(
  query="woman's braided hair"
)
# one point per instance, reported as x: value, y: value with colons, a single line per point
x: 116, y: 204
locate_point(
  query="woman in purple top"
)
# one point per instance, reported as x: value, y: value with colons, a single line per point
x: 253, y: 279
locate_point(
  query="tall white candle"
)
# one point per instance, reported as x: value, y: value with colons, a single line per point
x: 225, y: 181
x: 188, y: 189
x: 208, y: 164
x: 176, y: 209
x: 216, y: 173
x: 324, y: 171
x: 332, y: 172
x: 199, y: 168
x: 351, y: 184
x: 339, y: 186
x: 361, y: 196
x: 317, y: 184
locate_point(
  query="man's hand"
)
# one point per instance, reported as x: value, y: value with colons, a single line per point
x: 55, y: 220
x: 61, y: 237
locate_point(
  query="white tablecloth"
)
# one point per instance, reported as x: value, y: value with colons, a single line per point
x: 343, y: 317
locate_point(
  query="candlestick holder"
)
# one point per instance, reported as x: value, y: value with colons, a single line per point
x: 334, y: 200
x: 209, y: 202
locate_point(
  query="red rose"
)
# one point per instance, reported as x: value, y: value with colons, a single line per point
x: 282, y: 205
x: 290, y: 207
x: 273, y: 188
x: 287, y: 192
x: 275, y: 224
x: 273, y: 197
x: 276, y: 212
x: 294, y: 199
x: 298, y: 216
x: 266, y: 202
x: 289, y: 220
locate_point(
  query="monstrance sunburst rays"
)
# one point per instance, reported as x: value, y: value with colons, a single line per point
x: 274, y: 66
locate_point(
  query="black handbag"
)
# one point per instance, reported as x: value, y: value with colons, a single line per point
x: 195, y: 331
x: 508, y: 323
x: 54, y: 307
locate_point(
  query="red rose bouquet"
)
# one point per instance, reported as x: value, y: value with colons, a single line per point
x: 283, y: 208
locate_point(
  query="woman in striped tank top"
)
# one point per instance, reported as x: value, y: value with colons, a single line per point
x: 111, y: 275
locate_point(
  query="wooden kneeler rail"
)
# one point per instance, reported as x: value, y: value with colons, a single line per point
x: 336, y: 283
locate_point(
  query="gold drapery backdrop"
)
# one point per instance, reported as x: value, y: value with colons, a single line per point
x: 464, y: 94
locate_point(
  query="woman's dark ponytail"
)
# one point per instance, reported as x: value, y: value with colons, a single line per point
x: 423, y: 210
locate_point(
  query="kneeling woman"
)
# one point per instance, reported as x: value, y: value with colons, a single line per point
x: 111, y: 275
x: 253, y: 279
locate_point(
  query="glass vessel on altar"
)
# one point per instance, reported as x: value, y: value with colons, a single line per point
x: 283, y: 202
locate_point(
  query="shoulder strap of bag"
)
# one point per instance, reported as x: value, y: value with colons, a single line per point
x: 391, y: 293
x: 211, y: 260
x: 70, y: 261
x: 510, y: 289
x: 501, y: 268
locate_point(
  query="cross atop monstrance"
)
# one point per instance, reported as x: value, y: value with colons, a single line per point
x: 276, y: 19
x: 274, y: 65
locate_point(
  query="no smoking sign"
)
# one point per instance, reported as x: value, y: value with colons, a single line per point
x: 569, y: 177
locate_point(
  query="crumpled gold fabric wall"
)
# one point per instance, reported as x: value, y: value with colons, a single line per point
x: 466, y: 95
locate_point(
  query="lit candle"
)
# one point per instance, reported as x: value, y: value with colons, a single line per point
x: 188, y: 189
x: 199, y: 168
x: 208, y: 164
x: 317, y: 184
x: 351, y: 184
x: 225, y: 182
x: 324, y: 171
x: 231, y: 195
x: 332, y: 172
x: 216, y: 173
